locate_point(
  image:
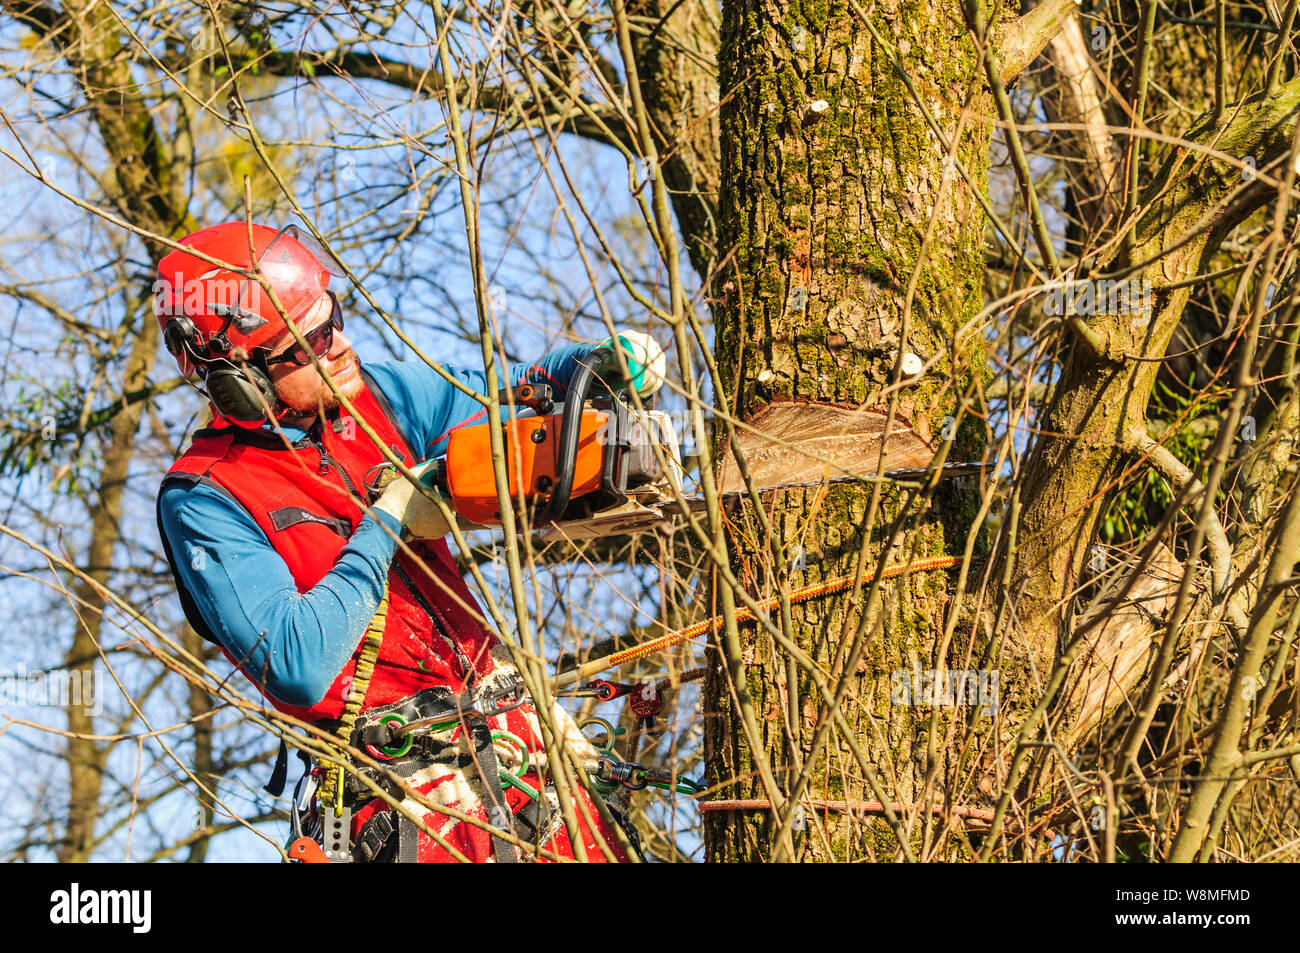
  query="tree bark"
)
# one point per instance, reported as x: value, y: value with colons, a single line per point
x: 1192, y: 203
x: 86, y: 757
x: 675, y: 62
x: 828, y: 208
x: 200, y: 711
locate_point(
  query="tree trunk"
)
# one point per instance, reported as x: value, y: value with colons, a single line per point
x: 86, y: 758
x: 149, y: 195
x: 832, y: 208
x: 1099, y: 400
x: 200, y: 711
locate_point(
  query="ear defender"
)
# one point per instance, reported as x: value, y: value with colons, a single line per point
x: 181, y: 338
x: 241, y: 394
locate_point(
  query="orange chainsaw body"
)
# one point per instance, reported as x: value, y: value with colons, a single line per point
x: 532, y: 450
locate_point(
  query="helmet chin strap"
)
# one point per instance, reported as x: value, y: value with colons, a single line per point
x: 306, y: 419
x: 303, y: 419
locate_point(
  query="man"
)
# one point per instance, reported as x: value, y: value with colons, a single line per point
x: 279, y: 559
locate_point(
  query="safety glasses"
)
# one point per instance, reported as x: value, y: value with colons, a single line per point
x: 319, y: 339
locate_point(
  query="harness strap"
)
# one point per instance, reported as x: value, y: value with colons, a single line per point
x: 379, y: 830
x: 407, y: 841
x: 385, y: 724
x: 480, y: 731
x: 280, y: 773
x: 485, y: 756
x: 331, y: 790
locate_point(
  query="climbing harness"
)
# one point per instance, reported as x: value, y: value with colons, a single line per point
x: 403, y: 734
x: 392, y: 731
x: 400, y: 732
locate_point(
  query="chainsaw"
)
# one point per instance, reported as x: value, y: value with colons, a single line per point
x: 601, y: 468
x: 589, y: 471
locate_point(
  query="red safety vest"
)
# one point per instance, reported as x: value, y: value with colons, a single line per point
x: 304, y: 499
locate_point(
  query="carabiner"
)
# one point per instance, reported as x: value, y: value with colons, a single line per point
x: 610, y: 733
x: 302, y: 795
x: 610, y: 773
x: 659, y: 778
x: 375, y: 485
x: 508, y: 777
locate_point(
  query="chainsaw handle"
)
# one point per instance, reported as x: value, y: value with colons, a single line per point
x: 571, y: 426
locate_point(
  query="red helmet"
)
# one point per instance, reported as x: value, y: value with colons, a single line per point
x: 226, y: 309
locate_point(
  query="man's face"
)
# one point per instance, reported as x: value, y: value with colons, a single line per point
x: 301, y: 388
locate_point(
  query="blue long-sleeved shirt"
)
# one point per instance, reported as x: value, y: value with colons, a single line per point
x: 297, y: 643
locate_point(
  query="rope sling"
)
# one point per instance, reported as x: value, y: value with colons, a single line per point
x: 824, y: 588
x: 333, y: 774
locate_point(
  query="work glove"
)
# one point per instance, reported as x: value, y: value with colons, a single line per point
x: 645, y: 360
x: 399, y: 498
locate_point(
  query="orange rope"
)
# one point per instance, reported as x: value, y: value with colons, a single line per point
x: 824, y: 588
